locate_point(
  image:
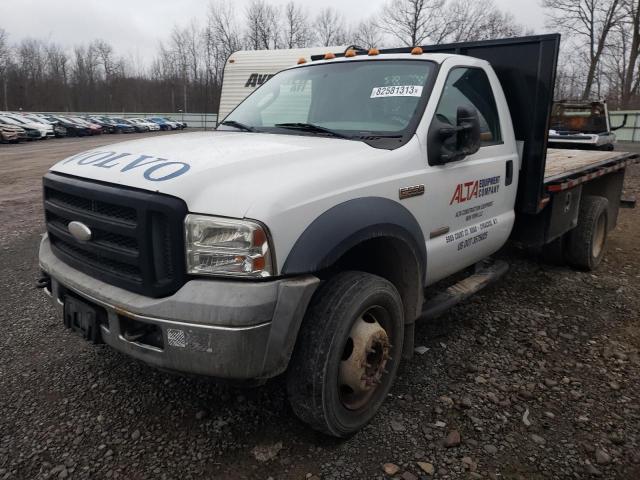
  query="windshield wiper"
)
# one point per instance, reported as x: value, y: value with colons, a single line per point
x: 310, y: 127
x: 238, y: 125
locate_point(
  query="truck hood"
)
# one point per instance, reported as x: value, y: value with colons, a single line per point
x: 224, y: 173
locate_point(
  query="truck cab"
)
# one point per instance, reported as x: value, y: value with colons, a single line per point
x: 583, y: 125
x: 303, y: 235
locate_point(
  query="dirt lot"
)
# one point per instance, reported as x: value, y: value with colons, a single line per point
x: 539, y: 377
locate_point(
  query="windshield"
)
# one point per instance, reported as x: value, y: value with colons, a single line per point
x: 18, y: 120
x: 355, y: 99
x: 10, y: 120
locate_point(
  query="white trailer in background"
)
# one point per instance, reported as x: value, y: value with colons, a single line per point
x: 246, y: 70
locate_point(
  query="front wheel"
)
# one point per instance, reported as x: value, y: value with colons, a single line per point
x: 348, y: 352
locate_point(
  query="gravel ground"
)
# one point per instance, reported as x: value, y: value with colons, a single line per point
x: 537, y: 377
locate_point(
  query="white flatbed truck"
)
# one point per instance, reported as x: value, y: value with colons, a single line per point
x: 306, y: 234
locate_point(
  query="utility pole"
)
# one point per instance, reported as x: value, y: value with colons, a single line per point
x: 184, y: 94
x: 4, y: 91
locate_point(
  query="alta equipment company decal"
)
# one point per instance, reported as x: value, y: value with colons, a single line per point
x: 475, y: 189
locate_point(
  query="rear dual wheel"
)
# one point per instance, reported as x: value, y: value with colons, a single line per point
x: 584, y: 246
x: 586, y: 243
x: 347, y: 354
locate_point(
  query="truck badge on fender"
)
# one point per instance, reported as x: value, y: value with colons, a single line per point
x: 413, y: 191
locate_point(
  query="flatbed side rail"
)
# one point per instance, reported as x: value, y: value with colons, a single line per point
x: 557, y: 185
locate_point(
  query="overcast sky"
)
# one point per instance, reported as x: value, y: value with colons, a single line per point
x: 134, y: 27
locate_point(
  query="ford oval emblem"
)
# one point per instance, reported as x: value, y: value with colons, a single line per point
x: 80, y: 231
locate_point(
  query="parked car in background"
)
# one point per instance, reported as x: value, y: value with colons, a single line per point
x: 137, y: 128
x: 121, y: 127
x: 164, y: 124
x: 180, y: 124
x: 43, y: 127
x: 151, y: 126
x: 94, y: 128
x: 73, y: 129
x: 43, y: 130
x: 11, y: 133
x: 107, y: 127
x: 58, y: 130
x: 33, y: 133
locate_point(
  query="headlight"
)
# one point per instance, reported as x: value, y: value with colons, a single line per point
x: 220, y: 246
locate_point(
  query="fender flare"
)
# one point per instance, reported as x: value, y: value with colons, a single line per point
x: 348, y: 224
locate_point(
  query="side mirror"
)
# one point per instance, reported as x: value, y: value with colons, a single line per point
x: 449, y: 143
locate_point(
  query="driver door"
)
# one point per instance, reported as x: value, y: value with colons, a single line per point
x: 470, y: 201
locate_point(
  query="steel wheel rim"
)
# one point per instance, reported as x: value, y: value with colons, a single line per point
x: 364, y: 358
x: 599, y: 236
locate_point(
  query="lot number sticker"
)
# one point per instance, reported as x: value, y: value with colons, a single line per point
x: 397, y: 91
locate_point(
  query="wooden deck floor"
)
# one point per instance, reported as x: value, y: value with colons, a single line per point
x: 563, y: 162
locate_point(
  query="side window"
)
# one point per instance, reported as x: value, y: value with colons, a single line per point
x: 471, y: 87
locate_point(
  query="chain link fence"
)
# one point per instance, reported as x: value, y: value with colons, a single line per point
x: 205, y: 121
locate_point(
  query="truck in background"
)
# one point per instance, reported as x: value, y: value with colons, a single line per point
x: 582, y: 125
x: 308, y: 234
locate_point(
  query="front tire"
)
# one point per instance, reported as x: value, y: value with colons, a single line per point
x: 347, y: 354
x: 586, y: 243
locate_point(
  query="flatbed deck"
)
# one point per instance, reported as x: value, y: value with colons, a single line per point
x: 568, y: 168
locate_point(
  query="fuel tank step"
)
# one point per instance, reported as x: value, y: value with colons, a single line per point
x: 485, y: 273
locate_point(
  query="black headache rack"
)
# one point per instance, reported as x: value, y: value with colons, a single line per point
x: 526, y: 68
x: 136, y: 239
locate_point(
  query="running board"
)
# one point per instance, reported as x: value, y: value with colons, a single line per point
x: 486, y: 272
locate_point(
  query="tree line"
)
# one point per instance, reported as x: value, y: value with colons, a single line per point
x: 600, y: 51
x: 186, y: 73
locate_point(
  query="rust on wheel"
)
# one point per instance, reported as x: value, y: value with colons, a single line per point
x: 364, y: 358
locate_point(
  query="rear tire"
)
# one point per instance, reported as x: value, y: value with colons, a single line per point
x: 347, y: 354
x: 586, y: 243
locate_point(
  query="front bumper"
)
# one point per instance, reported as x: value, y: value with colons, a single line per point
x: 221, y: 328
x: 8, y: 136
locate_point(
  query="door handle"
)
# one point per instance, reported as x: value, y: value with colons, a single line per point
x: 508, y: 177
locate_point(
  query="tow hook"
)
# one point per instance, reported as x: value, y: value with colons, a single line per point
x: 44, y: 281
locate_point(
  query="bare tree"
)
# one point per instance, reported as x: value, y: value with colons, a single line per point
x: 413, y: 22
x: 297, y: 31
x: 104, y: 52
x: 330, y: 28
x: 588, y: 21
x: 368, y: 34
x: 629, y: 40
x: 469, y: 20
x: 263, y: 31
x: 221, y: 38
x: 5, y: 58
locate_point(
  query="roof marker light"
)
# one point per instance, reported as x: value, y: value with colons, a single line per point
x: 350, y: 53
x: 302, y: 60
x: 329, y: 56
x: 416, y: 51
x: 374, y: 51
